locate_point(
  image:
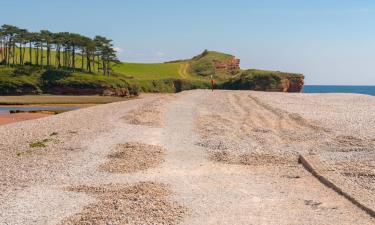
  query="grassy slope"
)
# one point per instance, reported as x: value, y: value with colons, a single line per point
x: 160, y: 77
x: 157, y: 77
x: 203, y: 65
x: 143, y: 71
x: 213, y: 55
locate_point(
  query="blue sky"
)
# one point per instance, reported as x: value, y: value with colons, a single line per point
x: 330, y: 41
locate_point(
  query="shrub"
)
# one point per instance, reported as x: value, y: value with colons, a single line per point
x: 254, y: 80
x: 203, y: 67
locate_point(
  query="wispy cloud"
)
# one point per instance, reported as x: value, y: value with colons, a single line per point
x: 118, y: 49
x: 160, y: 54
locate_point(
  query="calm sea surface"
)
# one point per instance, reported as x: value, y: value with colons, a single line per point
x: 368, y: 90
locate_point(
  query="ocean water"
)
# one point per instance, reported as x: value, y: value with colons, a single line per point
x: 367, y: 90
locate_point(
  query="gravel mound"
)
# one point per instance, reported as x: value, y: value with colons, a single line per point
x: 149, y: 114
x: 143, y: 203
x: 252, y: 159
x: 133, y: 157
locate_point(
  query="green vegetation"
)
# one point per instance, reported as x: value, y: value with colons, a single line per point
x: 35, y: 80
x: 160, y: 77
x: 203, y: 64
x: 143, y: 71
x: 40, y: 144
x: 67, y: 63
x: 21, y: 47
x: 260, y: 80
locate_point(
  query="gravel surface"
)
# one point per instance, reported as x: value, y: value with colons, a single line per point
x: 240, y: 127
x: 186, y: 181
x: 150, y: 114
x: 133, y: 157
x: 350, y: 122
x: 234, y: 193
x: 143, y: 203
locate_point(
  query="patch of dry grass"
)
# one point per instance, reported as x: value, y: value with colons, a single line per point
x: 143, y: 203
x: 133, y: 157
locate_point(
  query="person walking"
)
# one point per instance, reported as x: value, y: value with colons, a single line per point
x: 212, y: 82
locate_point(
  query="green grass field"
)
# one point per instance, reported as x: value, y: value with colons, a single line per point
x: 142, y: 71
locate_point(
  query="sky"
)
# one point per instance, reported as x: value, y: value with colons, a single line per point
x: 329, y: 41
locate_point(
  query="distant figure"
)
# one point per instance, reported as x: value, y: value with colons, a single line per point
x: 212, y: 83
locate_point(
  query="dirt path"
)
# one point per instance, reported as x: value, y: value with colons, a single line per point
x: 183, y: 70
x: 209, y: 158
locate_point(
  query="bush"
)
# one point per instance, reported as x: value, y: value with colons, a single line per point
x: 203, y: 67
x: 18, y: 85
x: 25, y: 70
x: 254, y: 80
x: 183, y: 85
x: 134, y: 90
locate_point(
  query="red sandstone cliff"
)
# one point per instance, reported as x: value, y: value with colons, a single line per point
x: 231, y: 66
x: 292, y: 84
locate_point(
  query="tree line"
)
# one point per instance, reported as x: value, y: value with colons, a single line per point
x: 95, y: 54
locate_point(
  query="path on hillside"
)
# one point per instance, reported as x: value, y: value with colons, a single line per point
x: 203, y: 172
x: 183, y: 70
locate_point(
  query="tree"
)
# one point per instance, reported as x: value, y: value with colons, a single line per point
x: 38, y: 43
x: 88, y: 48
x: 9, y: 33
x: 21, y: 39
x: 106, y: 53
x: 31, y: 38
x: 58, y: 42
x: 94, y: 53
x: 2, y: 49
x: 47, y: 38
x: 108, y: 57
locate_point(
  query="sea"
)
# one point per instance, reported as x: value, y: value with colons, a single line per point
x: 367, y: 90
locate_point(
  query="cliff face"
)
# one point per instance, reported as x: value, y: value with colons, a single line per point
x: 292, y: 84
x: 231, y: 65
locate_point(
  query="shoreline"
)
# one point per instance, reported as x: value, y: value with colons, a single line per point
x: 42, y: 110
x: 8, y: 118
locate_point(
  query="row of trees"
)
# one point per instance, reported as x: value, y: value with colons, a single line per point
x: 40, y: 48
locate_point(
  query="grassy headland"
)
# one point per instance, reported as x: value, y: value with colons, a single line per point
x: 135, y: 77
x: 159, y: 77
x: 69, y: 63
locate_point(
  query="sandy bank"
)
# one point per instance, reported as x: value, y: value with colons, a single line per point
x: 7, y: 118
